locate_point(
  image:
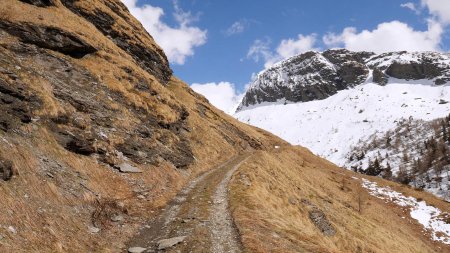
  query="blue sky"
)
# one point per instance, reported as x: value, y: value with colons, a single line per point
x: 214, y: 41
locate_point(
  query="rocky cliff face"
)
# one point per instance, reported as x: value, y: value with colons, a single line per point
x: 315, y: 76
x: 86, y: 97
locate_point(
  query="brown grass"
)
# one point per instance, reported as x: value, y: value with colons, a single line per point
x: 269, y: 222
x: 52, y: 204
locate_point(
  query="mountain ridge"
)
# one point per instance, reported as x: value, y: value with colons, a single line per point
x: 317, y: 75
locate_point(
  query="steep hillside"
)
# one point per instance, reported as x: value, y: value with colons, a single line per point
x: 98, y: 140
x: 289, y: 200
x: 86, y: 98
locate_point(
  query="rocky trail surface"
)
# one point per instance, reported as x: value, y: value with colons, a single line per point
x: 197, y: 219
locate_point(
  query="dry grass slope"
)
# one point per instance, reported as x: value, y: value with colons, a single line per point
x: 55, y: 194
x: 272, y: 195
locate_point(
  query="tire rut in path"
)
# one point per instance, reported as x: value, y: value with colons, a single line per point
x: 200, y: 212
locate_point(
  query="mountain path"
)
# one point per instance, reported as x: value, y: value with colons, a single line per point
x: 197, y: 219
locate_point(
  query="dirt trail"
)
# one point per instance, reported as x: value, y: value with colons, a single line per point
x: 200, y: 213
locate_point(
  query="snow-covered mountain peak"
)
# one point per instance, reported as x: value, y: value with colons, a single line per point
x: 318, y: 75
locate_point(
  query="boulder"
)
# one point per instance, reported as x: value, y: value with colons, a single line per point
x: 128, y: 168
x: 321, y: 222
x: 136, y: 250
x: 117, y: 218
x: 94, y: 230
x: 168, y: 243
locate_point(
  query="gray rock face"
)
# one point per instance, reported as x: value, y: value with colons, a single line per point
x: 40, y: 3
x: 379, y: 77
x: 413, y: 66
x: 413, y: 71
x: 307, y: 77
x: 49, y: 37
x: 321, y: 222
x: 153, y: 61
x: 315, y: 76
x: 148, y: 140
x: 167, y: 243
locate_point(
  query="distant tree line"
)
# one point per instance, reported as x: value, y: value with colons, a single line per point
x: 420, y: 163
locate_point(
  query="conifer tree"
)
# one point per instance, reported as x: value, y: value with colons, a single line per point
x: 387, y: 174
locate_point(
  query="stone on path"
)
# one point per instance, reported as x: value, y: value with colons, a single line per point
x: 136, y: 250
x: 167, y: 243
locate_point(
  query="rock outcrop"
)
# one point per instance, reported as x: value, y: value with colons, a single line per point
x: 152, y: 60
x: 306, y: 77
x: 40, y: 3
x: 49, y: 37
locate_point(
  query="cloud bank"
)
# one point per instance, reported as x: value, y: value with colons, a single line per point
x: 260, y: 50
x: 222, y: 95
x: 386, y: 37
x: 439, y: 9
x: 177, y: 42
x: 389, y: 36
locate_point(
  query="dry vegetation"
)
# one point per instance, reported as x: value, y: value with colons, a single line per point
x: 56, y: 196
x: 271, y: 198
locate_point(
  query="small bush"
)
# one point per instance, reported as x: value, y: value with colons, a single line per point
x: 105, y: 209
x: 6, y: 170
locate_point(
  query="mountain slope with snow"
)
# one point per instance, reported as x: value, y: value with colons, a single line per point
x: 331, y: 126
x: 395, y: 86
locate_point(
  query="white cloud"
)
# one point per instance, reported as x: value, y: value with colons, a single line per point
x: 260, y: 49
x: 291, y: 47
x: 177, y: 42
x: 236, y: 28
x: 411, y: 6
x: 440, y: 9
x: 390, y: 36
x: 222, y: 95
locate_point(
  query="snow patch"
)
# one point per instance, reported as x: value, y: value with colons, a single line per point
x: 431, y: 218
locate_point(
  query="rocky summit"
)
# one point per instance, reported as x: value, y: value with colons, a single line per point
x: 316, y: 76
